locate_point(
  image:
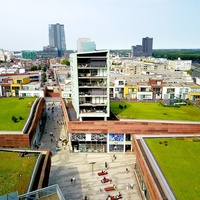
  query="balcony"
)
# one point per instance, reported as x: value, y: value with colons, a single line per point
x: 93, y: 92
x: 89, y: 110
x: 90, y: 103
x: 86, y: 75
x: 93, y: 84
x: 92, y: 65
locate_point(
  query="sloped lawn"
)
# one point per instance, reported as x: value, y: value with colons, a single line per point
x: 10, y: 107
x: 179, y: 162
x: 154, y: 111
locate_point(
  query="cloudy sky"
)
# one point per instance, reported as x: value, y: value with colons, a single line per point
x: 111, y: 24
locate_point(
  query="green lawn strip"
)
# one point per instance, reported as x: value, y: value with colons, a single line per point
x: 179, y: 162
x: 14, y: 107
x: 154, y: 111
x: 11, y: 165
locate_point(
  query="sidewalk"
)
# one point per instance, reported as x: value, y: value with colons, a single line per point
x: 66, y: 165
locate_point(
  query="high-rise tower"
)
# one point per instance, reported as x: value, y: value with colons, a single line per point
x: 147, y: 45
x: 57, y: 38
x: 146, y: 49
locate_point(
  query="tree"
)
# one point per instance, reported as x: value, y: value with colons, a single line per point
x: 65, y: 62
x: 44, y: 77
x: 33, y: 68
x: 44, y: 69
x: 14, y: 119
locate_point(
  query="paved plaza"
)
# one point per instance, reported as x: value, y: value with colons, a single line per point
x: 66, y: 165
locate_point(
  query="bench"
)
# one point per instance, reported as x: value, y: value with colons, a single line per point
x: 106, y: 180
x: 109, y: 188
x: 102, y: 173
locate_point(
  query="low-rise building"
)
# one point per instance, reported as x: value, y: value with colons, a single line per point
x: 180, y: 65
x: 194, y: 93
x: 17, y: 84
x: 31, y: 89
x: 130, y: 92
x: 144, y: 91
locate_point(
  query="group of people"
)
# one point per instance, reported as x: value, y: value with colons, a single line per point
x: 118, y: 196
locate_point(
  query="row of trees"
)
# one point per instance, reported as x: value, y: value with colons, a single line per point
x: 35, y: 68
x: 174, y: 54
x: 171, y: 54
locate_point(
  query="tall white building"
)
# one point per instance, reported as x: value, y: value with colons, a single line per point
x: 85, y: 45
x: 2, y: 56
x: 90, y: 84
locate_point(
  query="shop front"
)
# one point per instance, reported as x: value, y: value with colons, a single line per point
x: 91, y: 142
x: 101, y: 143
x: 119, y: 142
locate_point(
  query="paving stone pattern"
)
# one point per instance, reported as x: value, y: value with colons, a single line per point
x: 66, y: 165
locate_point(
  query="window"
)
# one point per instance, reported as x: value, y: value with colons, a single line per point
x: 170, y: 90
x: 121, y: 83
x: 131, y: 90
x: 19, y: 81
x: 158, y: 83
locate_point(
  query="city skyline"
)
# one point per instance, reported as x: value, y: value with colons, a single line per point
x: 112, y: 24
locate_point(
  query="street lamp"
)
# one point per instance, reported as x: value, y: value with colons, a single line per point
x: 92, y: 163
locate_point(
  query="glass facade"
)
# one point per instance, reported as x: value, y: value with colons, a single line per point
x: 141, y: 181
x: 88, y: 46
x: 116, y: 142
x: 57, y: 37
x: 91, y: 143
x: 29, y: 55
x: 101, y: 143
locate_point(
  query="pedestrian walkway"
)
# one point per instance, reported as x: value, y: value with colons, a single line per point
x: 66, y: 165
x: 55, y: 128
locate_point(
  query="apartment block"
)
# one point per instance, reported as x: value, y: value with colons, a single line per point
x: 90, y: 84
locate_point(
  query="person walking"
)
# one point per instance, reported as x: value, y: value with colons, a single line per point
x: 74, y: 179
x: 106, y: 165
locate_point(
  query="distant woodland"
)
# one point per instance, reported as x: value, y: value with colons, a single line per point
x: 174, y: 54
x: 171, y: 54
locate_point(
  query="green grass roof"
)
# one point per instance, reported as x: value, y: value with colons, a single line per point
x: 179, y: 161
x: 10, y: 107
x: 11, y: 166
x: 154, y: 111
